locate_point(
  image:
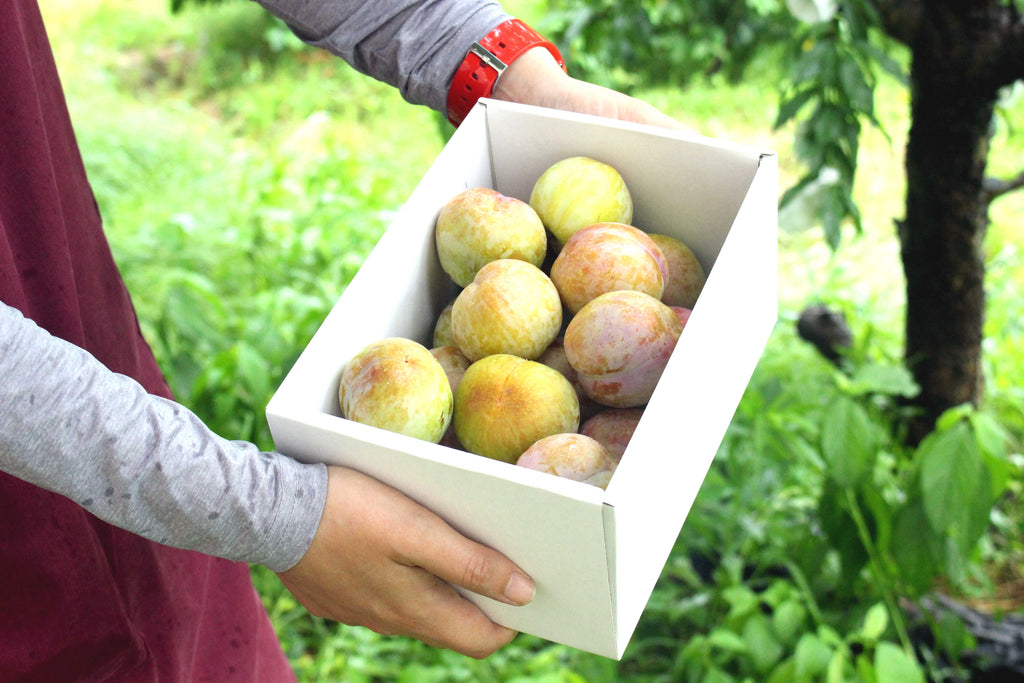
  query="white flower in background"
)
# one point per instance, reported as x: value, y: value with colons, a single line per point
x: 813, y: 11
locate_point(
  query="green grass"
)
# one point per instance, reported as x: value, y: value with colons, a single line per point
x: 243, y: 179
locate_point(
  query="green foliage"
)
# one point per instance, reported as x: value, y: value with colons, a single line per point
x: 814, y: 523
x: 233, y: 294
x: 767, y: 640
x: 830, y: 91
x: 626, y: 44
x: 827, y: 93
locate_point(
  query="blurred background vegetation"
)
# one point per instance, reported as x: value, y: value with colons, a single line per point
x: 244, y: 177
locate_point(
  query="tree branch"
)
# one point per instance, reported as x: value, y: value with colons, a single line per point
x: 993, y: 188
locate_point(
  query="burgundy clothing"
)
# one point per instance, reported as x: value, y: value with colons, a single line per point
x: 81, y: 600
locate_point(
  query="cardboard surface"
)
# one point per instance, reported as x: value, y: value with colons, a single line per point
x: 594, y: 554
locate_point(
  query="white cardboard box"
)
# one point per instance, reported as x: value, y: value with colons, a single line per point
x: 595, y: 555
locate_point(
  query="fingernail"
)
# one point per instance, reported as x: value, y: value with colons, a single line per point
x: 519, y: 590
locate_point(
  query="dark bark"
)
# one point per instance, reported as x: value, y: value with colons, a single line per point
x: 941, y: 235
x: 959, y: 55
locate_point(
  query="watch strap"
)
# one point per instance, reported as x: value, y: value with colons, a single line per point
x: 487, y: 59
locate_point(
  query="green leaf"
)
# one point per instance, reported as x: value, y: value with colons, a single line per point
x: 841, y: 531
x: 915, y: 547
x: 726, y: 640
x: 788, y: 621
x: 890, y: 380
x: 893, y: 665
x: 848, y: 442
x: 784, y: 672
x: 828, y: 124
x: 837, y: 667
x: 856, y: 87
x: 955, y: 558
x: 832, y: 224
x: 954, y: 481
x: 887, y: 63
x: 765, y: 650
x: 865, y: 669
x: 876, y: 620
x: 792, y: 106
x: 796, y: 188
x: 877, y: 510
x: 812, y: 657
x: 952, y: 416
x: 809, y: 66
x: 830, y: 636
x: 716, y: 675
x: 742, y: 602
x: 992, y: 440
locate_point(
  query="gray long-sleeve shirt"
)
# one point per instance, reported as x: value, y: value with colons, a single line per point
x: 146, y: 464
x: 414, y: 45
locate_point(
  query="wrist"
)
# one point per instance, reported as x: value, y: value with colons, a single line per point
x: 531, y: 78
x: 489, y: 59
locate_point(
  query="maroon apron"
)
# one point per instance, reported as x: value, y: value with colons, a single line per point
x: 81, y: 600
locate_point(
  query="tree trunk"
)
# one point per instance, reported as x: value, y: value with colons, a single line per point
x: 946, y: 213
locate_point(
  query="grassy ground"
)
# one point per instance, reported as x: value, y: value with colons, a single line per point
x: 243, y: 179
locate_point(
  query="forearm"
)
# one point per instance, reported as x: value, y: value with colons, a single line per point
x: 414, y: 45
x: 140, y: 462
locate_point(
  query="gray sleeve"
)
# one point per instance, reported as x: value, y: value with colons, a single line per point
x: 414, y: 45
x: 143, y: 463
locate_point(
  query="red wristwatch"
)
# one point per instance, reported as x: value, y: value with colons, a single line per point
x: 486, y: 59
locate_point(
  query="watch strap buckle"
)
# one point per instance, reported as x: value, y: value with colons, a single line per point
x: 488, y: 57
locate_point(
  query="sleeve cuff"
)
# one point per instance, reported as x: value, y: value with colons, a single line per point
x: 303, y: 496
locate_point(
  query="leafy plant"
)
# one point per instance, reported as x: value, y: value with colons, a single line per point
x: 627, y: 44
x: 833, y: 73
x: 814, y: 528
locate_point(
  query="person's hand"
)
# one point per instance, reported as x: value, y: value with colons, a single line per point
x: 535, y: 78
x: 383, y: 561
